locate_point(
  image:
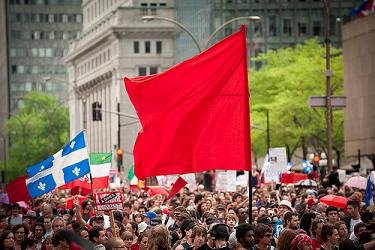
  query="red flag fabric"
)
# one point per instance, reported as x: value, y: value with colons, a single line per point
x: 292, y: 177
x: 195, y: 116
x: 179, y: 183
x: 70, y: 201
x: 154, y: 190
x: 17, y: 190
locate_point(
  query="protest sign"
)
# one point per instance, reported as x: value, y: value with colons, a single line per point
x: 108, y: 201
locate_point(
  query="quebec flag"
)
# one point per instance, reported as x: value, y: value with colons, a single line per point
x: 70, y: 163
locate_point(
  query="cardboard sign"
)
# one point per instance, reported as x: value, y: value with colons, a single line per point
x: 108, y: 201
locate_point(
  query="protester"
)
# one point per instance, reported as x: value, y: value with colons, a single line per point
x: 263, y: 237
x: 159, y: 238
x: 7, y: 240
x: 330, y: 237
x: 244, y: 236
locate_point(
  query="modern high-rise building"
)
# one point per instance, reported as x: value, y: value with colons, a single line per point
x: 284, y: 23
x: 34, y: 36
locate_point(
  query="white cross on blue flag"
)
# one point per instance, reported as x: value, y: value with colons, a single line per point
x: 70, y: 163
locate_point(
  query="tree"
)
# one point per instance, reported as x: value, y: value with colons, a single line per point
x: 39, y: 129
x: 282, y: 86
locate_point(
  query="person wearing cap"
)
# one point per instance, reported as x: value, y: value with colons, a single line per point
x: 15, y: 218
x: 283, y: 207
x: 148, y: 216
x: 29, y: 218
x: 217, y: 238
x: 186, y: 231
x: 221, y: 212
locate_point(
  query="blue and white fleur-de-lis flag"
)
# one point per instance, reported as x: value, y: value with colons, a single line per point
x: 70, y: 163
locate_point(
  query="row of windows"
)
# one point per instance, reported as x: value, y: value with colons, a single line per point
x: 97, y: 8
x: 42, y: 35
x: 32, y: 86
x: 44, y: 2
x: 38, y: 52
x: 37, y: 69
x: 44, y: 18
x: 153, y: 5
x: 144, y: 71
x: 147, y: 47
x: 92, y: 63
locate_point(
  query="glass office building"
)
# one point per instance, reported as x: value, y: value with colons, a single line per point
x: 39, y: 32
x: 283, y: 23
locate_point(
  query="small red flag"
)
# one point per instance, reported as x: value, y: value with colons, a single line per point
x: 180, y: 183
x: 195, y: 116
x: 17, y: 190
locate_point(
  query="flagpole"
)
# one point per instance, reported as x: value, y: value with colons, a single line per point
x: 247, y: 120
x: 92, y: 189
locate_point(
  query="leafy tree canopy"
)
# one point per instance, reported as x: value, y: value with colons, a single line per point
x: 282, y: 86
x: 39, y: 129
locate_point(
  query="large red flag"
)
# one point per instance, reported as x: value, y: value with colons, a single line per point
x: 17, y: 190
x: 195, y: 116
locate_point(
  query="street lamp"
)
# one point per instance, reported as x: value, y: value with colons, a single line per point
x: 253, y: 18
x: 180, y: 25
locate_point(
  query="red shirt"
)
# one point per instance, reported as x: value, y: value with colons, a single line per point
x: 316, y: 244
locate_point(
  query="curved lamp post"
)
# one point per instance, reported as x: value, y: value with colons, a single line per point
x: 181, y: 26
x: 253, y: 18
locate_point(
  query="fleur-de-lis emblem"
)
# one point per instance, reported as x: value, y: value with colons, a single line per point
x: 72, y: 144
x: 42, y: 186
x: 41, y: 168
x: 76, y: 171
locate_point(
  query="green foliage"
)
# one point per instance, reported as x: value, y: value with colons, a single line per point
x: 40, y: 129
x: 282, y: 86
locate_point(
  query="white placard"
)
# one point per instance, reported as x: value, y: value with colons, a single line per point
x: 278, y: 160
x: 226, y: 181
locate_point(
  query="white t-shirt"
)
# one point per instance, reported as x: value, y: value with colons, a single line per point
x: 353, y: 223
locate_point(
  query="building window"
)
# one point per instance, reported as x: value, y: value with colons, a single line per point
x: 272, y: 26
x: 153, y: 12
x: 35, y: 69
x: 153, y: 70
x: 51, y: 18
x: 12, y: 52
x: 48, y: 52
x: 18, y: 17
x: 147, y: 47
x: 79, y: 18
x: 317, y: 29
x: 142, y: 71
x: 64, y: 18
x: 136, y: 47
x: 162, y: 4
x: 287, y: 30
x: 21, y: 69
x: 34, y: 52
x: 42, y: 52
x: 13, y: 69
x: 158, y: 47
x: 302, y: 28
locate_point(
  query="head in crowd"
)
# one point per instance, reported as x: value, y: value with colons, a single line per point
x: 285, y: 239
x: 316, y: 228
x: 58, y: 223
x: 342, y: 229
x: 143, y: 241
x: 97, y: 221
x: 242, y: 215
x: 47, y: 221
x: 330, y: 235
x: 20, y: 233
x: 28, y: 244
x: 301, y: 242
x: 198, y: 235
x: 119, y: 228
x: 359, y: 228
x: 263, y: 236
x: 115, y: 243
x: 231, y: 221
x: 84, y: 233
x: 159, y: 238
x: 59, y: 240
x: 283, y: 207
x: 7, y: 240
x: 245, y: 235
x: 97, y: 236
x: 353, y: 209
x: 291, y: 220
x: 47, y: 243
x: 332, y: 214
x: 127, y: 238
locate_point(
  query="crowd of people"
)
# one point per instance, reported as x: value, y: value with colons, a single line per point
x: 286, y: 218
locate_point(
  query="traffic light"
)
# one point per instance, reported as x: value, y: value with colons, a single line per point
x: 96, y: 111
x: 119, y: 158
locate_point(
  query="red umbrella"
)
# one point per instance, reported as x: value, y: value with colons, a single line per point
x: 334, y: 200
